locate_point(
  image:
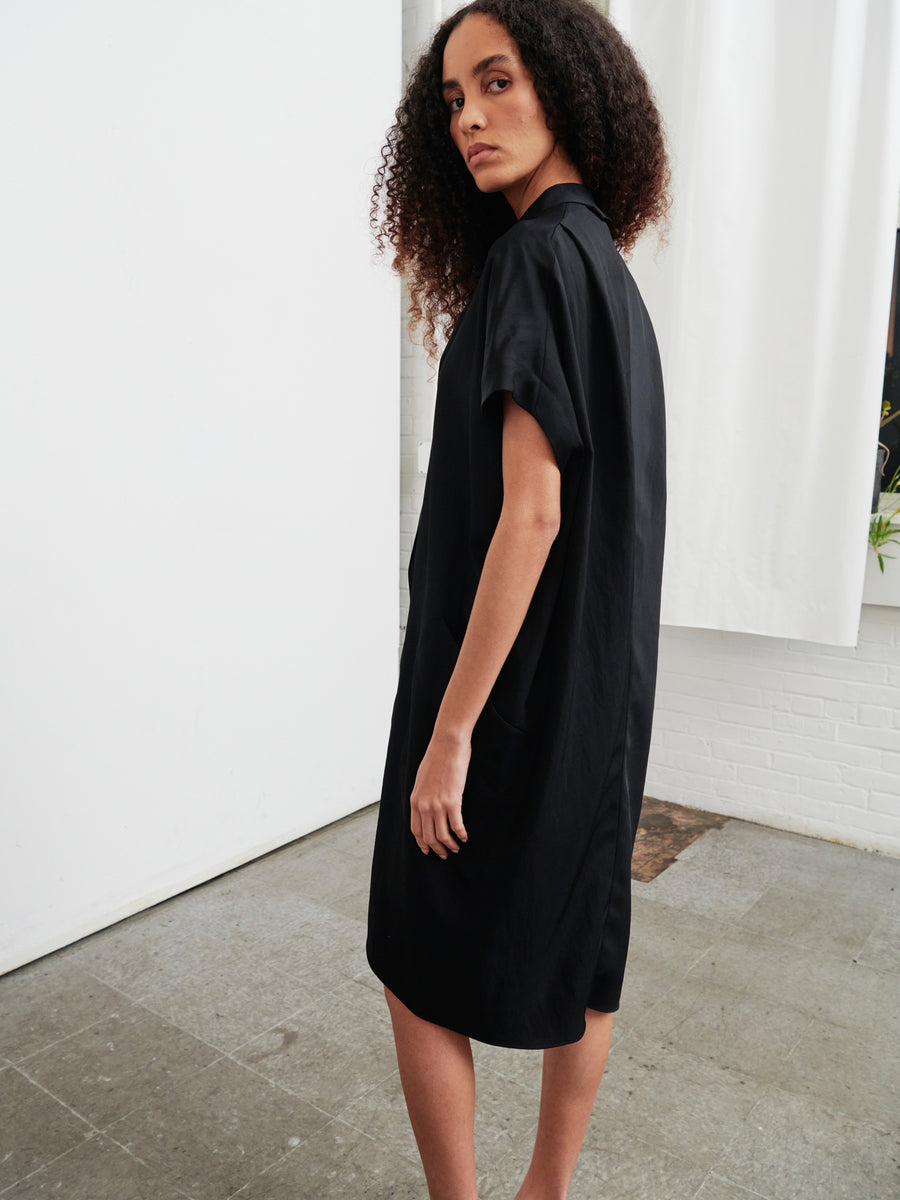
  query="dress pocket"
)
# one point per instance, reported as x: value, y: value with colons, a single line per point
x: 499, y: 751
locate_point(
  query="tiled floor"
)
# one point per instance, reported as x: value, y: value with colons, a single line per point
x: 232, y: 1041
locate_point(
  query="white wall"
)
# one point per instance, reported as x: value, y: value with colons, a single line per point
x: 792, y: 734
x: 198, y: 457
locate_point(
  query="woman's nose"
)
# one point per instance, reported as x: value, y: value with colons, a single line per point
x: 472, y: 116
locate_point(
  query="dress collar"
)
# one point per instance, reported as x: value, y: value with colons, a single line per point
x: 562, y: 193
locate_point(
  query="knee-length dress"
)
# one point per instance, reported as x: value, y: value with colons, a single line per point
x: 512, y: 938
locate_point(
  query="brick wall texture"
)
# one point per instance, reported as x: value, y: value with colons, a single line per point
x: 792, y: 734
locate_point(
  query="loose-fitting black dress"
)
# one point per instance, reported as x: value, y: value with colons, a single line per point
x: 511, y: 939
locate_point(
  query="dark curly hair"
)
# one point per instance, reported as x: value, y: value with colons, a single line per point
x: 599, y: 105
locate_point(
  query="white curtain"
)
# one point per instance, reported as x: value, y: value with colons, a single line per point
x: 771, y: 299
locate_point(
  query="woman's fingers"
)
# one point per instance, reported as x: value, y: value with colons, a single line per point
x: 456, y: 824
x: 436, y: 832
x: 430, y: 838
x: 436, y: 802
x: 444, y: 836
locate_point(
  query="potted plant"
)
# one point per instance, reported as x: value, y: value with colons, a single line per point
x: 882, y: 530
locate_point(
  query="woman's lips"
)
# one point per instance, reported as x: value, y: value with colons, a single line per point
x: 479, y: 154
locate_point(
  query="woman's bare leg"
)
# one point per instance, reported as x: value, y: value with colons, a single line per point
x: 569, y: 1085
x: 438, y: 1079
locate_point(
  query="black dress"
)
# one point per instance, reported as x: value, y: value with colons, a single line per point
x: 511, y: 939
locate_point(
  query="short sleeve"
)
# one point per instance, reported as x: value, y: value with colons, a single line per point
x: 529, y: 347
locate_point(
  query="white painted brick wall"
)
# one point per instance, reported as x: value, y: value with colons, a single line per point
x: 793, y: 734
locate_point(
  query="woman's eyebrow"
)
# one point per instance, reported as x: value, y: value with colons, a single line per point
x: 490, y: 61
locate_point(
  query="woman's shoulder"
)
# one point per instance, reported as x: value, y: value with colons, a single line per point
x: 549, y: 231
x: 532, y: 237
x: 526, y: 252
x: 557, y: 248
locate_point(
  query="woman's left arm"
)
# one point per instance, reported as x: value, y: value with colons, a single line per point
x: 529, y: 522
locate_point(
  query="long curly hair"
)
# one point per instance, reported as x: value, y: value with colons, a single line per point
x: 598, y: 104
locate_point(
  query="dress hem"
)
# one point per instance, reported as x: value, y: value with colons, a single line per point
x: 475, y: 1030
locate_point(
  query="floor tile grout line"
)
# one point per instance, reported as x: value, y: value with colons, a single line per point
x: 95, y: 1132
x: 777, y: 1088
x: 281, y: 1087
x: 197, y: 1037
x: 757, y: 934
x: 219, y: 1053
x: 737, y: 1133
x: 65, y: 1038
x: 713, y: 1174
x: 361, y: 1096
x: 294, y: 1150
x: 220, y: 1056
x: 273, y: 1028
x: 154, y: 1012
x: 276, y: 1162
x: 127, y: 1150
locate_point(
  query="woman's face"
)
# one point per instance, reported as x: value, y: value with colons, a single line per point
x: 497, y: 121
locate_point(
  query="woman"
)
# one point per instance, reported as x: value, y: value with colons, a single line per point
x: 526, y: 150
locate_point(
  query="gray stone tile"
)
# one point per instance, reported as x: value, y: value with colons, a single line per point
x: 825, y: 986
x: 320, y: 871
x: 354, y: 904
x: 881, y: 951
x: 523, y: 1067
x: 216, y: 1130
x: 164, y: 942
x: 339, y: 1163
x: 745, y: 1033
x: 671, y: 936
x: 96, y: 1170
x: 506, y: 1113
x: 665, y: 943
x: 782, y: 851
x: 331, y: 1053
x: 46, y: 1001
x: 111, y: 1067
x: 829, y: 869
x: 856, y: 1073
x: 741, y: 850
x: 34, y: 1127
x: 647, y: 982
x: 708, y: 889
x: 714, y: 1187
x: 686, y: 1105
x: 613, y: 1164
x: 791, y: 1149
x: 226, y: 1006
x: 354, y: 836
x: 806, y: 919
x: 328, y: 949
x: 271, y: 897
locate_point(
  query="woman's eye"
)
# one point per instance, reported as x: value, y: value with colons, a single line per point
x: 455, y: 104
x: 499, y: 84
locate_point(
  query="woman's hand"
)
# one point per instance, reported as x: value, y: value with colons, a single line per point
x: 436, y: 800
